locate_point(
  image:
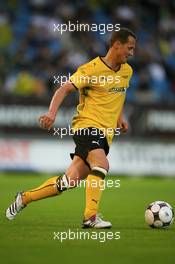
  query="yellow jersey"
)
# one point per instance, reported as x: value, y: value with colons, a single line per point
x: 102, y: 94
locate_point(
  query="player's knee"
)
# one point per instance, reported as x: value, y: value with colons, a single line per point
x: 102, y: 164
x: 97, y: 158
x: 106, y: 165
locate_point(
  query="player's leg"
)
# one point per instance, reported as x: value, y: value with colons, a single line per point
x: 94, y: 187
x: 52, y: 187
x: 56, y: 185
x: 93, y: 149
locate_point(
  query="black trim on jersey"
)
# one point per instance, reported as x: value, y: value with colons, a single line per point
x: 73, y: 85
x: 108, y: 65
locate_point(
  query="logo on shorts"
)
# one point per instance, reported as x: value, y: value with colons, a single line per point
x: 95, y: 201
x: 96, y: 142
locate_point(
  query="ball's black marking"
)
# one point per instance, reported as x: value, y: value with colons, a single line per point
x: 156, y: 216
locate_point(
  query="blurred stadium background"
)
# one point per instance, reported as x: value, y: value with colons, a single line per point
x: 32, y: 53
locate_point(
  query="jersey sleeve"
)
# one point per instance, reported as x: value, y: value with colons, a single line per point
x: 81, y: 78
x: 129, y: 76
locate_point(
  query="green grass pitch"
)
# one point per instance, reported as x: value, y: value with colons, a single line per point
x: 30, y: 239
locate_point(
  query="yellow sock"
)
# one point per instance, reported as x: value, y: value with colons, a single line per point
x: 94, y: 187
x: 47, y: 189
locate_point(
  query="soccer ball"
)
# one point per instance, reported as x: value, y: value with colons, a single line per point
x: 159, y: 214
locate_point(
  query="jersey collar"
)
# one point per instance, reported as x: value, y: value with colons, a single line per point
x: 100, y: 57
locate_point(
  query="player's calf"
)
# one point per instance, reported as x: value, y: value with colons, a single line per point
x: 53, y: 186
x: 94, y: 187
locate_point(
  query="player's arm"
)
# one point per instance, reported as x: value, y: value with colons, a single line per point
x: 47, y: 120
x: 122, y: 123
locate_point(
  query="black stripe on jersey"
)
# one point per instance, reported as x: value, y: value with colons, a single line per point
x: 101, y: 58
x: 73, y: 85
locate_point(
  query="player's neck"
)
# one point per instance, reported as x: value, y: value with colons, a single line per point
x: 110, y: 60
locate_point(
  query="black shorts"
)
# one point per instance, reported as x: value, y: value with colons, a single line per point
x: 87, y: 139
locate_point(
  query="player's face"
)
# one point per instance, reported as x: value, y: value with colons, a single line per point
x: 126, y: 50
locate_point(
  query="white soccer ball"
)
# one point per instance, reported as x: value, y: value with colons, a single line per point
x: 159, y: 214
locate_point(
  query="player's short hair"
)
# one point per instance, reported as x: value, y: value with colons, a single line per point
x: 122, y: 35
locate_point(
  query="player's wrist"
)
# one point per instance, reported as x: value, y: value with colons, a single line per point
x: 51, y: 115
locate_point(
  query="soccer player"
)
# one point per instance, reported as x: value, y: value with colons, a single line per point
x: 102, y: 85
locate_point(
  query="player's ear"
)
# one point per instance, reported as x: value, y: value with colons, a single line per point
x: 117, y: 44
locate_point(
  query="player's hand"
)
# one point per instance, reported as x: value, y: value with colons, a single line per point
x: 46, y: 122
x: 123, y: 125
